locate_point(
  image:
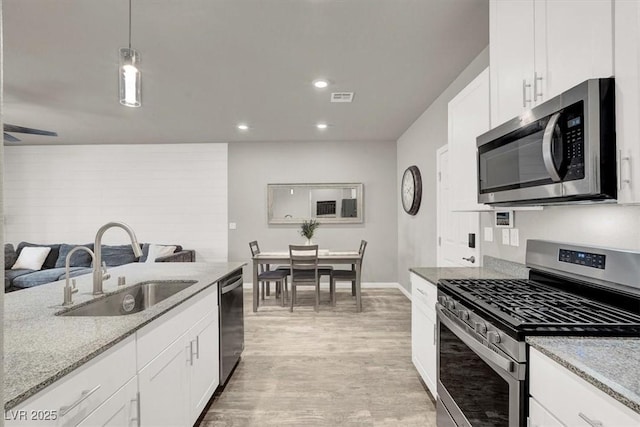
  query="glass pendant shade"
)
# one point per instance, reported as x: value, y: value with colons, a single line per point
x: 129, y: 78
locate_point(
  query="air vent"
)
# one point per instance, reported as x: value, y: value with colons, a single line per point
x: 342, y: 97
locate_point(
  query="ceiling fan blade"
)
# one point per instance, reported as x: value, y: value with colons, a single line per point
x: 32, y: 131
x: 10, y: 138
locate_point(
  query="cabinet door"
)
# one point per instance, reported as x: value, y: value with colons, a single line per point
x: 119, y: 410
x: 204, y: 363
x: 468, y: 118
x: 511, y: 55
x: 423, y: 346
x: 573, y: 43
x: 539, y: 417
x: 627, y: 71
x: 163, y: 386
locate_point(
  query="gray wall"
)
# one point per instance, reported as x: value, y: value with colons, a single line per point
x: 599, y: 225
x: 253, y: 165
x: 418, y: 145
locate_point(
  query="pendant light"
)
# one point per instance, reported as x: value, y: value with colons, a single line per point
x: 129, y: 73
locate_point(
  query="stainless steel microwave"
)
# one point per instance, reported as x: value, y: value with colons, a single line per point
x: 561, y: 151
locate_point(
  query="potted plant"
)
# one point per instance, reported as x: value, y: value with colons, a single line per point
x: 308, y: 228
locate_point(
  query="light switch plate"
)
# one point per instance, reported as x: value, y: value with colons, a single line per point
x: 488, y: 234
x: 514, y: 237
x: 505, y: 236
x: 232, y: 226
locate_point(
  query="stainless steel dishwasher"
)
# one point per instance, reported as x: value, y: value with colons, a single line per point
x: 231, y: 323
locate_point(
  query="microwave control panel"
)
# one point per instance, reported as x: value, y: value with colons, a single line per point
x: 587, y: 259
x: 572, y: 127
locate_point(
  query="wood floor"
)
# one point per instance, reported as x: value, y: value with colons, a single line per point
x: 331, y: 368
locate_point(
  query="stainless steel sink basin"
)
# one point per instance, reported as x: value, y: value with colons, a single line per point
x: 131, y: 300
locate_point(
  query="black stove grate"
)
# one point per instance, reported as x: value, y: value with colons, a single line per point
x: 529, y: 305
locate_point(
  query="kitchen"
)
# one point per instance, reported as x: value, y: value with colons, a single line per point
x: 412, y: 243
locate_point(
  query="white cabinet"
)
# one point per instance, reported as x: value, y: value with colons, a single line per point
x: 423, y: 330
x: 72, y: 398
x: 119, y: 410
x: 627, y: 72
x: 540, y: 48
x: 468, y: 117
x: 571, y: 400
x: 176, y: 385
x: 540, y: 417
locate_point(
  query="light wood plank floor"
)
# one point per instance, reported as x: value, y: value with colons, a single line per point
x: 332, y: 368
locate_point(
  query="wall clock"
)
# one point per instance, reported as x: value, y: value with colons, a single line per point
x: 411, y: 190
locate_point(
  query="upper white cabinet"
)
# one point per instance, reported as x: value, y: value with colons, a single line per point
x: 540, y: 48
x: 468, y: 117
x: 627, y: 72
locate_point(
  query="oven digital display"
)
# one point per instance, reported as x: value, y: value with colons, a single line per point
x: 587, y: 259
x: 573, y: 122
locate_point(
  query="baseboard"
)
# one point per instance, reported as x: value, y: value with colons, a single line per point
x: 365, y: 285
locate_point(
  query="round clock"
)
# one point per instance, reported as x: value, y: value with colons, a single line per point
x: 411, y: 190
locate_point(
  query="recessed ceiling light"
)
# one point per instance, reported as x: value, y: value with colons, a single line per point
x: 320, y: 83
x: 321, y: 125
x: 243, y: 126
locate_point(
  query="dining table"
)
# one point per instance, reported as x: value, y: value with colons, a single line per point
x: 325, y: 256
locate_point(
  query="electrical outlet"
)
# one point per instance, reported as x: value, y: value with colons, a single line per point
x: 505, y: 236
x: 488, y: 234
x: 232, y: 226
x: 514, y: 237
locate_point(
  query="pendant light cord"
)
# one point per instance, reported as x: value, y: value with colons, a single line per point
x: 129, y: 24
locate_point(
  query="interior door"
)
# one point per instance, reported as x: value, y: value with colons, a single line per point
x: 454, y: 228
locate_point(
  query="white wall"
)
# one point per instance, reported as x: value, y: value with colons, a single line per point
x: 175, y: 193
x: 592, y: 225
x: 253, y: 165
x: 417, y: 235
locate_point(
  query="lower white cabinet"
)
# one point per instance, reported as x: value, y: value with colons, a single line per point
x: 569, y: 400
x: 121, y: 409
x: 204, y: 372
x: 423, y: 330
x: 540, y: 417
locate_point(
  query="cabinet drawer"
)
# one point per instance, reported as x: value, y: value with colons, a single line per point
x: 424, y: 293
x: 80, y: 392
x: 159, y: 334
x: 571, y: 399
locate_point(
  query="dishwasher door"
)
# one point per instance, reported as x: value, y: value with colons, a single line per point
x: 231, y: 324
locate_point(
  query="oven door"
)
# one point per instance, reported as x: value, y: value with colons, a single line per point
x: 477, y: 386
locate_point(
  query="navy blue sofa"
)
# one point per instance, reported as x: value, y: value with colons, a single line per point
x: 53, y: 268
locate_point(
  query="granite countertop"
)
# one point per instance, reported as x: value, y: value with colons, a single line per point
x: 610, y: 364
x: 434, y: 274
x: 40, y: 347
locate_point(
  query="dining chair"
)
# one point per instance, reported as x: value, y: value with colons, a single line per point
x: 266, y: 276
x: 346, y: 275
x: 304, y: 270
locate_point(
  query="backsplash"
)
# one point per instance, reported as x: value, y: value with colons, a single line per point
x: 596, y: 225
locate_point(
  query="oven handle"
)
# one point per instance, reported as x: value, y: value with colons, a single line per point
x: 547, y: 148
x: 502, y: 362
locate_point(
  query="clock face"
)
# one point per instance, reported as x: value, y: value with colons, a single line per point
x: 411, y: 190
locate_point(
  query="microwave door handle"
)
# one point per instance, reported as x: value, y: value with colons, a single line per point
x: 547, y: 148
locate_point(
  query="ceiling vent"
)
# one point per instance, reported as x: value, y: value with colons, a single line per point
x: 342, y: 97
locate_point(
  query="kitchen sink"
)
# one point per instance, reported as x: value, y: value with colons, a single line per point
x: 133, y: 299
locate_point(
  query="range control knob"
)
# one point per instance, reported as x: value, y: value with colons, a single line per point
x: 451, y: 305
x: 493, y: 337
x: 463, y: 314
x: 443, y: 300
x: 480, y: 327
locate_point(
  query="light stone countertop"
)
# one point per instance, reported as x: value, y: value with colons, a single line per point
x: 610, y: 364
x: 40, y: 347
x: 433, y: 274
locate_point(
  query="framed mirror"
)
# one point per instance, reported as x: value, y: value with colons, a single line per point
x: 340, y: 203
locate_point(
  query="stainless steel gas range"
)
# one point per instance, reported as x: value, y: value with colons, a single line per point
x: 482, y: 326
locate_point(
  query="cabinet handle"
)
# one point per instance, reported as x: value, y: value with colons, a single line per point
x: 535, y: 87
x: 592, y: 423
x: 198, y: 347
x: 525, y: 85
x: 191, y: 352
x: 435, y: 333
x: 619, y: 169
x: 422, y: 292
x: 137, y: 401
x: 64, y: 410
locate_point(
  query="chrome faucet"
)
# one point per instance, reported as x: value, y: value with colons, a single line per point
x: 99, y: 270
x: 68, y: 289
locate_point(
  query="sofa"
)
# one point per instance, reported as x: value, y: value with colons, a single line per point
x: 53, y: 268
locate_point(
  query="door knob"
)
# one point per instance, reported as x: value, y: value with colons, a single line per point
x: 471, y: 259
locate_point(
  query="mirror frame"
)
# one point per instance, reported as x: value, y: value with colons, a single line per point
x: 359, y: 219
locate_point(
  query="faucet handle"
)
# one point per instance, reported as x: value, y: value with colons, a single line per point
x: 105, y: 275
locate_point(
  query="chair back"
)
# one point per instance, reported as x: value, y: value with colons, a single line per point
x: 255, y: 250
x: 363, y: 246
x: 304, y: 259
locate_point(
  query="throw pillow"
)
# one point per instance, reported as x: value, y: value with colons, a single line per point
x: 157, y: 251
x: 31, y: 258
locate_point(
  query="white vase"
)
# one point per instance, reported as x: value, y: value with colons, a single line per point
x: 309, y: 242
